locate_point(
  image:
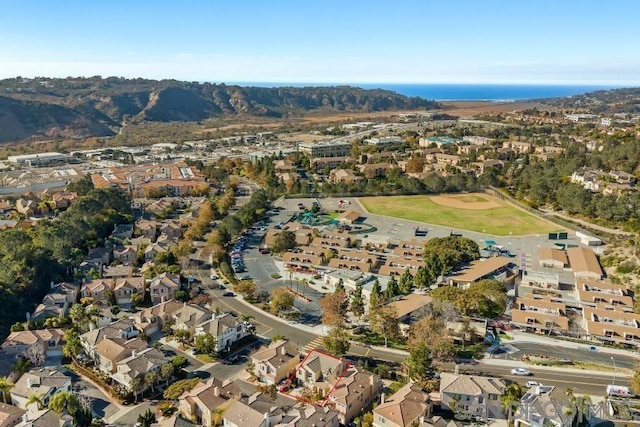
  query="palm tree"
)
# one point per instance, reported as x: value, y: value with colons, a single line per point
x: 166, y: 371
x: 136, y: 385
x: 512, y: 395
x: 64, y: 402
x: 35, y: 398
x: 21, y: 366
x: 72, y: 346
x: 5, y: 387
x: 151, y: 378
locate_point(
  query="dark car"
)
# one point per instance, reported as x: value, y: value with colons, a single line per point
x: 228, y: 294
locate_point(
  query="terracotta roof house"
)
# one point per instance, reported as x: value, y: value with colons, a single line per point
x: 349, y: 217
x: 146, y: 228
x: 353, y: 392
x: 275, y: 362
x: 151, y: 320
x: 137, y: 365
x: 110, y: 351
x: 189, y: 316
x: 126, y: 287
x: 126, y: 254
x: 597, y: 292
x: 403, y: 408
x: 123, y: 329
x: 252, y: 412
x: 164, y: 287
x: 498, y: 268
x: 49, y: 340
x: 44, y: 382
x: 306, y: 415
x: 45, y: 418
x: 57, y: 302
x: 612, y: 323
x: 475, y: 397
x: 201, y: 403
x: 343, y: 175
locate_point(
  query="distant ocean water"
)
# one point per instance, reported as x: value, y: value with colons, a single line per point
x: 464, y: 92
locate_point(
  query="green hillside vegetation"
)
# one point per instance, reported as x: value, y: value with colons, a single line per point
x: 81, y: 107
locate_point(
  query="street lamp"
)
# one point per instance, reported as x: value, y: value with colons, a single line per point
x: 614, y: 370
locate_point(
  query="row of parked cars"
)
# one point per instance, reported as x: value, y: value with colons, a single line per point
x: 236, y: 256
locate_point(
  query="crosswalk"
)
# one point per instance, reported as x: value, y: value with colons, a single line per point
x: 316, y: 343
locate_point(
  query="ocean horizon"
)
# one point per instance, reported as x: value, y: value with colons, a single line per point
x: 462, y: 91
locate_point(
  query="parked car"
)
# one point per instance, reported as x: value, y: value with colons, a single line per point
x: 532, y: 384
x: 521, y: 372
x: 264, y: 251
x: 228, y: 294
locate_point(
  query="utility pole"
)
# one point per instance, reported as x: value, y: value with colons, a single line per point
x: 614, y: 370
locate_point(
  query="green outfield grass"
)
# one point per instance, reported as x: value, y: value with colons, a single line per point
x: 499, y: 220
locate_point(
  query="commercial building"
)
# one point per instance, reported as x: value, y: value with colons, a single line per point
x: 325, y: 148
x: 36, y: 159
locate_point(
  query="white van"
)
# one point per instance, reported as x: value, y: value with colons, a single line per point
x: 619, y: 391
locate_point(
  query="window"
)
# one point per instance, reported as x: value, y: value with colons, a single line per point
x: 481, y: 400
x: 493, y: 397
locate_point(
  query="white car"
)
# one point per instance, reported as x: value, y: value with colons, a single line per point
x: 520, y: 372
x: 533, y: 384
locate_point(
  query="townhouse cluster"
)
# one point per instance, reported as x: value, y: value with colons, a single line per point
x: 585, y: 305
x: 608, y: 183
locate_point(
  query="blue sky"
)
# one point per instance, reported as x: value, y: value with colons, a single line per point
x: 329, y: 41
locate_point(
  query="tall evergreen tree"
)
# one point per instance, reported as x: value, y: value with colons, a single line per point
x: 376, y: 293
x: 406, y: 283
x: 392, y: 288
x: 357, y: 304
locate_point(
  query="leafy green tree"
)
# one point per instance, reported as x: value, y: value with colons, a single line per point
x: 384, y: 321
x: 281, y: 300
x: 183, y: 336
x: 72, y: 346
x: 136, y: 385
x: 375, y: 298
x: 175, y: 390
x: 357, y: 303
x: 64, y: 403
x: 406, y: 283
x: 420, y: 367
x: 336, y: 341
x: 205, y: 344
x: 334, y: 308
x: 511, y: 398
x: 392, y: 288
x: 166, y: 372
x: 450, y: 252
x: 246, y: 288
x: 179, y: 362
x: 21, y: 366
x: 284, y: 241
x: 422, y: 279
x: 151, y: 378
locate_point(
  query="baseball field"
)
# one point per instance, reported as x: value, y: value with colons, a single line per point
x: 470, y: 211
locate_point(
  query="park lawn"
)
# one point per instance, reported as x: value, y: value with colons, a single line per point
x: 499, y: 221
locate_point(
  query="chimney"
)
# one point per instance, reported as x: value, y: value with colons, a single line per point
x: 52, y: 284
x: 92, y: 326
x: 266, y: 420
x: 216, y: 391
x: 29, y: 383
x: 382, y: 396
x: 28, y: 316
x: 283, y: 350
x: 456, y: 369
x: 422, y: 419
x: 134, y: 353
x: 25, y: 417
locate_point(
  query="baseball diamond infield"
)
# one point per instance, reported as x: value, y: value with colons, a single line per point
x: 469, y: 211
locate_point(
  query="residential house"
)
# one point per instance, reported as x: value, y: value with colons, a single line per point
x: 164, y: 287
x: 410, y: 307
x: 10, y: 416
x: 171, y: 229
x: 396, y: 266
x: 284, y: 165
x: 151, y: 320
x: 151, y: 251
x: 322, y: 163
x: 255, y: 411
x: 126, y: 254
x: 110, y: 351
x: 98, y: 256
x: 123, y: 329
x: 190, y: 316
x: 173, y: 421
x: 481, y: 167
x: 518, y: 146
x: 346, y: 176
x: 623, y: 177
x: 125, y: 287
x: 226, y: 329
x: 146, y: 228
x: 409, y: 248
x: 275, y: 362
x: 545, y: 406
x: 405, y: 408
x: 43, y: 382
x: 474, y: 397
x: 57, y: 302
x: 376, y: 170
x: 47, y: 341
x: 96, y: 289
x: 202, y: 403
x: 584, y: 263
x: 302, y: 258
x: 64, y: 199
x: 541, y: 315
x: 45, y: 418
x: 538, y: 280
x: 319, y: 367
x: 553, y: 258
x: 349, y: 217
x: 305, y: 415
x: 137, y: 365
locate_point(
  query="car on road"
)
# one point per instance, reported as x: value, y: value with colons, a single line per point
x: 532, y: 383
x: 228, y: 294
x: 264, y: 251
x: 593, y: 348
x: 214, y: 277
x: 521, y: 372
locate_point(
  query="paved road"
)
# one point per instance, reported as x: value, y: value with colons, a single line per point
x: 582, y: 355
x: 587, y: 383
